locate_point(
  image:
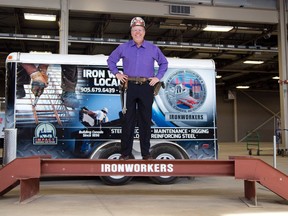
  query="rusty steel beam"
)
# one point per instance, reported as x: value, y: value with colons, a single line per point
x: 23, y: 171
x: 29, y: 187
x: 257, y: 170
x: 12, y: 173
x: 28, y: 171
x: 102, y: 167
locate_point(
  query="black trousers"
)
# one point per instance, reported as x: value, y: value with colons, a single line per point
x: 139, y: 110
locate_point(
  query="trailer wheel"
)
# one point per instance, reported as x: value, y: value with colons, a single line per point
x: 165, y: 153
x: 114, y: 154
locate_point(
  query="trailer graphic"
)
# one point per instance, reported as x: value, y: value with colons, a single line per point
x: 183, y: 120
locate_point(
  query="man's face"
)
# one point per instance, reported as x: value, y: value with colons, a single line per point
x: 138, y: 33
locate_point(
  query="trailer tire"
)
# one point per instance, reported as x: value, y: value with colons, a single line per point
x: 165, y: 153
x: 114, y: 154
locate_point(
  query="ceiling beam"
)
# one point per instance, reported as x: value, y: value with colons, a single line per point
x: 156, y: 9
x: 115, y: 41
x: 39, y: 4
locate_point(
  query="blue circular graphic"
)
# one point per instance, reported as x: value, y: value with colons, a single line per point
x: 185, y: 91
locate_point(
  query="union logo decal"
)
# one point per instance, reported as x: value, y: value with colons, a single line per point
x: 185, y: 91
x: 45, y: 134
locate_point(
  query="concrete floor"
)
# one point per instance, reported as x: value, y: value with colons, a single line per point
x: 215, y: 196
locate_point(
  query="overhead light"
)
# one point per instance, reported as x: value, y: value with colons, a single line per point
x: 218, y: 28
x: 40, y: 17
x: 242, y: 87
x: 218, y: 76
x: 276, y: 77
x: 253, y: 62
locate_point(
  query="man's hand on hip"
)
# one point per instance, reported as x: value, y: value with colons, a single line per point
x: 153, y: 81
x: 122, y: 77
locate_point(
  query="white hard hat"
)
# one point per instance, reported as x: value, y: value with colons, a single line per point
x: 137, y: 21
x: 105, y: 110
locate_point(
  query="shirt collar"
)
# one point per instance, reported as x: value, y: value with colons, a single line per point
x: 132, y: 43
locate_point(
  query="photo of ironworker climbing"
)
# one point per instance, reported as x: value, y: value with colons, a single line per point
x: 38, y: 77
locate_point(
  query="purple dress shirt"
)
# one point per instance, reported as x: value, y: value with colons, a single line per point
x: 138, y: 62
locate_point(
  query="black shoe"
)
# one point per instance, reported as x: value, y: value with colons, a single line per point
x: 147, y: 157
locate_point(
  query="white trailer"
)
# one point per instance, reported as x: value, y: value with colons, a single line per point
x: 183, y: 122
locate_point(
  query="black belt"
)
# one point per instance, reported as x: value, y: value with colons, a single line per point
x: 138, y: 80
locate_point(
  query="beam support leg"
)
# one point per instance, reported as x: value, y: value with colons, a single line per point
x: 28, y: 188
x: 250, y: 193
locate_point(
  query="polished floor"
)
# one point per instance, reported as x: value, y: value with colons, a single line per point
x: 215, y: 196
